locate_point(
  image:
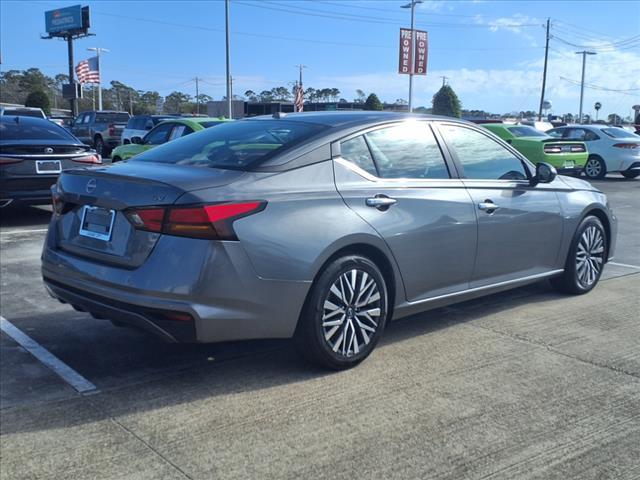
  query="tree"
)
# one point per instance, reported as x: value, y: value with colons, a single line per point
x: 38, y: 99
x: 266, y: 96
x: 360, y: 96
x: 445, y: 102
x: 177, y: 102
x: 615, y: 119
x: 373, y: 103
x: 251, y: 95
x: 568, y: 117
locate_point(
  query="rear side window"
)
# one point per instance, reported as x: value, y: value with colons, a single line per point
x: 407, y: 151
x: 481, y: 157
x: 617, y: 133
x: 112, y: 117
x: 31, y: 130
x: 357, y: 152
x: 525, y: 131
x: 238, y: 145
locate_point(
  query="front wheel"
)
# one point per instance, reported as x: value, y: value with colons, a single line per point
x: 345, y: 314
x: 98, y: 144
x: 630, y: 175
x: 595, y: 168
x: 586, y: 259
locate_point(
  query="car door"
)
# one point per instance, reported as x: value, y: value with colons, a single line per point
x: 80, y: 127
x: 519, y: 225
x: 398, y: 180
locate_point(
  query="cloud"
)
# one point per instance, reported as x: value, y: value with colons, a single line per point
x: 518, y: 24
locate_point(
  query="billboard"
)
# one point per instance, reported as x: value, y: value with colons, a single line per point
x: 421, y: 53
x: 406, y: 51
x: 63, y: 19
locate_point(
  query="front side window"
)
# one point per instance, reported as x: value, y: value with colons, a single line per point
x: 525, y: 131
x: 481, y: 157
x: 555, y: 133
x: 158, y: 135
x: 575, y: 133
x: 180, y: 131
x: 407, y: 151
x: 357, y: 152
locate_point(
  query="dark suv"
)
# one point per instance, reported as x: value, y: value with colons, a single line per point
x: 100, y: 129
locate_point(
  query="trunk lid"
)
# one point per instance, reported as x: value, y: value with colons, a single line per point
x: 93, y: 202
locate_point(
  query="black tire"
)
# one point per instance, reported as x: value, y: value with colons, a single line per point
x: 630, y: 175
x: 98, y: 144
x: 354, y: 325
x: 572, y: 280
x: 595, y: 168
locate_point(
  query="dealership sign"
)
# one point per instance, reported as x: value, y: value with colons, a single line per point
x: 63, y: 19
x: 413, y: 53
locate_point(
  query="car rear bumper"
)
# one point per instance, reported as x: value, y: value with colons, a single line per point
x: 27, y: 190
x: 213, y: 282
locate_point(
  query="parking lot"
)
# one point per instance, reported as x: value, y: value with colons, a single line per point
x: 523, y: 384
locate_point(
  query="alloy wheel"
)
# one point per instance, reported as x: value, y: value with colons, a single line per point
x: 590, y: 255
x: 351, y: 312
x: 593, y: 168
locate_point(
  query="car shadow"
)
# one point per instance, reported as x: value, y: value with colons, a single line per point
x: 170, y: 375
x: 23, y: 216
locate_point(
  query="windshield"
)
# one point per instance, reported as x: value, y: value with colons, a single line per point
x: 525, y: 131
x: 234, y: 145
x: 617, y: 133
x: 32, y: 130
x: 112, y: 117
x: 24, y: 113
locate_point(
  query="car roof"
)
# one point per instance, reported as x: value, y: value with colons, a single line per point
x: 342, y: 120
x: 23, y: 120
x: 192, y: 120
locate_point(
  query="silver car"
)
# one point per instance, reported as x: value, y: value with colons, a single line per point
x: 318, y: 226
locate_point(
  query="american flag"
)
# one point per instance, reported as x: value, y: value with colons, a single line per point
x: 299, y: 99
x: 88, y: 71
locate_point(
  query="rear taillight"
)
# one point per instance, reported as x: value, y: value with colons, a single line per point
x: 213, y: 222
x: 112, y: 130
x: 578, y: 149
x: 627, y: 145
x: 95, y: 159
x: 8, y: 160
x: 552, y: 149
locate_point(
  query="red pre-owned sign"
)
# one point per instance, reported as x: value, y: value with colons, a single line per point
x: 422, y: 50
x: 406, y: 52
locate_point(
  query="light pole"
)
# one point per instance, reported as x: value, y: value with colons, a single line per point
x: 412, y: 6
x: 98, y: 51
x: 584, y: 54
x: 226, y: 19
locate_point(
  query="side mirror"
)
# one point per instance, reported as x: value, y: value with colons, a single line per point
x: 136, y: 140
x: 545, y: 173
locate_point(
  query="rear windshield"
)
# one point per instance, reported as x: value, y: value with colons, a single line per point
x: 24, y: 113
x: 237, y: 145
x: 210, y: 124
x: 618, y: 133
x: 112, y: 117
x: 526, y: 131
x: 44, y: 130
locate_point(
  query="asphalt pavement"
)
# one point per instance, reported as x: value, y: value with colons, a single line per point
x: 524, y: 384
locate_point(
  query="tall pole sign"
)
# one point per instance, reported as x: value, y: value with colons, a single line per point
x: 421, y: 53
x: 412, y: 56
x: 406, y: 51
x: 68, y: 23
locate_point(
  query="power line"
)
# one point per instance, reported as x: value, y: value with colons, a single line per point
x: 598, y: 87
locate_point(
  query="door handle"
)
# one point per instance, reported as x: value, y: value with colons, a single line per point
x: 488, y: 206
x: 381, y: 202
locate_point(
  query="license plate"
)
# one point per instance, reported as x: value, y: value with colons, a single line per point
x: 97, y: 222
x: 48, y: 166
x: 569, y: 164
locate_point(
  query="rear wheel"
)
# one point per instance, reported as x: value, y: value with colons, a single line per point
x: 586, y: 258
x: 630, y: 174
x: 345, y: 314
x: 98, y: 144
x: 595, y: 167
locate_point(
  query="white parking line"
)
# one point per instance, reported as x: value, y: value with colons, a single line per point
x: 68, y: 374
x: 624, y: 265
x: 35, y: 230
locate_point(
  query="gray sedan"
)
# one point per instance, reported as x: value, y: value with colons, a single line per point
x: 318, y: 226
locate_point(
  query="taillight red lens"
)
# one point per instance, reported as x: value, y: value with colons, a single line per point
x: 213, y: 222
x: 112, y: 129
x: 8, y: 160
x: 627, y: 145
x: 95, y: 159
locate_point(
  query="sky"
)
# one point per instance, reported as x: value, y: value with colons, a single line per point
x: 491, y: 52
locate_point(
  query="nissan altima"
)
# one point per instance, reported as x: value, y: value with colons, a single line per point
x: 318, y: 226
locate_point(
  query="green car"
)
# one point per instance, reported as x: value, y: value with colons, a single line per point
x: 162, y: 133
x: 568, y: 157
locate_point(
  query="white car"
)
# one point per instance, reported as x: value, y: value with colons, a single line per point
x: 611, y: 149
x: 139, y: 126
x: 22, y: 112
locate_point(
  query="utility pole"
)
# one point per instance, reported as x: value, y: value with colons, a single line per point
x: 197, y: 96
x: 544, y: 72
x: 412, y: 6
x: 444, y: 80
x: 98, y: 51
x: 73, y: 102
x: 226, y: 18
x: 584, y: 54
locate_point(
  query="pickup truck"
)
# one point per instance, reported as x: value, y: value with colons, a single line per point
x: 100, y: 129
